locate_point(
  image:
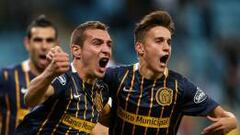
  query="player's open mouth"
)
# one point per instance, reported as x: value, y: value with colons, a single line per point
x: 164, y: 59
x: 43, y: 57
x: 103, y: 62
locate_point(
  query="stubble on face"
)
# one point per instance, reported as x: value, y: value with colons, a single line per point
x: 96, y: 52
x: 41, y: 41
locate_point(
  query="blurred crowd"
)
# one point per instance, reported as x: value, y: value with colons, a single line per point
x: 206, y: 44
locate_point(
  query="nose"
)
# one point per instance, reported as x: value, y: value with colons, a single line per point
x: 107, y: 49
x: 166, y: 46
x: 45, y: 45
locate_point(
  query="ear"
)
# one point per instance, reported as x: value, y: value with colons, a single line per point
x: 26, y: 43
x: 76, y: 51
x: 139, y: 48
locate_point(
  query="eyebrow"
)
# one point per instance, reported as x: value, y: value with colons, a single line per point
x: 99, y: 39
x: 40, y: 39
x: 166, y: 38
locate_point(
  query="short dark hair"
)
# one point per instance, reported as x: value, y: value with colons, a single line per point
x: 78, y: 35
x: 40, y: 21
x: 156, y: 18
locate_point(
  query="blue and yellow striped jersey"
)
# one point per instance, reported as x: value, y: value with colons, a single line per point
x: 14, y: 81
x: 152, y: 107
x: 73, y: 109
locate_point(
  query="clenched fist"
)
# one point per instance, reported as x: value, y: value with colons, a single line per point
x: 58, y: 62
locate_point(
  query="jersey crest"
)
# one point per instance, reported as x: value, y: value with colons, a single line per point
x: 164, y: 96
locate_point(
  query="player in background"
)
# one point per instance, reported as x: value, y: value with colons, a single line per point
x: 14, y: 80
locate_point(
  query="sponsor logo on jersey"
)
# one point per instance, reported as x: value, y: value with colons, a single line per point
x: 77, y: 123
x: 142, y: 120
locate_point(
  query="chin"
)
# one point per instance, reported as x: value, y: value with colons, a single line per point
x: 42, y: 65
x: 161, y: 69
x: 99, y: 75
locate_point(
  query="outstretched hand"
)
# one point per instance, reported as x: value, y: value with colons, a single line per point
x: 220, y: 126
x: 58, y: 61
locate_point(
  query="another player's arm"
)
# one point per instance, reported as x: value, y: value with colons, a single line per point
x: 223, y: 121
x: 40, y: 88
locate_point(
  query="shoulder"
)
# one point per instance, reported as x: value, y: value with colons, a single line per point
x: 8, y: 71
x: 11, y: 67
x: 118, y: 72
x: 64, y: 78
x: 176, y: 76
x: 62, y: 82
x: 183, y: 82
x: 121, y: 69
x: 114, y: 75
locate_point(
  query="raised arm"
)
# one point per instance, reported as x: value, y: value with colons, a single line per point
x: 40, y: 88
x: 222, y: 122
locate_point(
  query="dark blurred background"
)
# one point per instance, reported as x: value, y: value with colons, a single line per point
x: 206, y: 44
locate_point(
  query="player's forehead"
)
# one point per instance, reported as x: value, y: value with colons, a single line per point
x: 43, y: 32
x: 158, y: 32
x: 91, y: 34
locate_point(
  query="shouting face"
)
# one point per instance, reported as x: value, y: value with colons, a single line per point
x: 96, y: 52
x: 41, y: 41
x: 155, y: 50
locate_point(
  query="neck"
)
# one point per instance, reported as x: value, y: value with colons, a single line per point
x: 34, y: 70
x: 83, y: 73
x: 148, y: 73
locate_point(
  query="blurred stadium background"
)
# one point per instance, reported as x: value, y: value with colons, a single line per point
x: 206, y: 44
